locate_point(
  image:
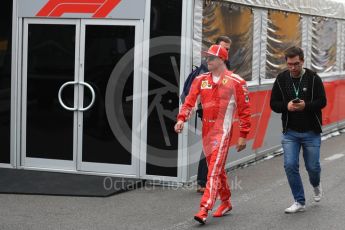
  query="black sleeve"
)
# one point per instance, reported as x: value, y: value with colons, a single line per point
x: 319, y: 100
x: 277, y: 103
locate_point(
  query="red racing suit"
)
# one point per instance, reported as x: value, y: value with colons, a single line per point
x: 219, y: 101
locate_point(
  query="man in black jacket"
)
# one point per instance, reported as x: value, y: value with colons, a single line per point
x: 298, y: 93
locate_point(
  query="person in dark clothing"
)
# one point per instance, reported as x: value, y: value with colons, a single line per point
x: 225, y: 42
x: 299, y: 95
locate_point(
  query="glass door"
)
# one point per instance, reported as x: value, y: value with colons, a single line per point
x: 81, y: 95
x: 109, y: 132
x: 50, y: 54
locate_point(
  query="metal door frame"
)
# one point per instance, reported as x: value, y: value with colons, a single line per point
x: 76, y: 165
x: 51, y: 164
x: 118, y: 169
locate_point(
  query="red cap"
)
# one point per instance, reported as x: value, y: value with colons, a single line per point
x: 219, y: 51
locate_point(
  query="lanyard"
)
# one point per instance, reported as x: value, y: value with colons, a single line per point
x: 294, y: 87
x: 299, y: 84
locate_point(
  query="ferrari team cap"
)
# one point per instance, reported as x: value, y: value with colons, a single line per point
x: 219, y: 51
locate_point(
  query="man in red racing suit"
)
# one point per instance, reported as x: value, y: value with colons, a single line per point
x: 221, y: 93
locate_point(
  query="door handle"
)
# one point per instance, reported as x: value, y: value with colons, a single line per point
x: 60, y: 98
x: 93, y: 96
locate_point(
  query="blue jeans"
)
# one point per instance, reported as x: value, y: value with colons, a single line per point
x: 310, y: 142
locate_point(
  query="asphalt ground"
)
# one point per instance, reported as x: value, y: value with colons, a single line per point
x: 260, y: 194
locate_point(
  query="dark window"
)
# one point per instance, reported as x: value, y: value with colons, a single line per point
x: 236, y: 21
x: 164, y: 78
x: 283, y: 31
x: 324, y: 45
x: 5, y: 78
x: 51, y: 58
x: 107, y: 130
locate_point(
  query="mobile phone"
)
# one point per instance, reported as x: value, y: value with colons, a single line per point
x: 296, y: 100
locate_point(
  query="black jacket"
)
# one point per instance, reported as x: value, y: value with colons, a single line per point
x: 313, y: 95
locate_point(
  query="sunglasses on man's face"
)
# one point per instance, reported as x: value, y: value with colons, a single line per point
x: 211, y: 58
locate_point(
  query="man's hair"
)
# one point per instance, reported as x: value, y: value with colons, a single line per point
x: 293, y: 52
x: 223, y: 38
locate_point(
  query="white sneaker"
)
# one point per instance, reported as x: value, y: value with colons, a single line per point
x: 295, y: 207
x: 318, y: 193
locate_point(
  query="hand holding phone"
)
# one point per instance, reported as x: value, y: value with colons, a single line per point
x: 296, y: 100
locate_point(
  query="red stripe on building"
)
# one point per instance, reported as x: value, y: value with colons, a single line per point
x: 106, y: 8
x: 62, y: 9
x: 261, y: 113
x: 263, y: 106
x: 335, y: 109
x: 99, y: 8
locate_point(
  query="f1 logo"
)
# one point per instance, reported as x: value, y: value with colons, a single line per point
x: 99, y: 8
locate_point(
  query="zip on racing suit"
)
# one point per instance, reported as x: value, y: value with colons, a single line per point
x: 219, y: 102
